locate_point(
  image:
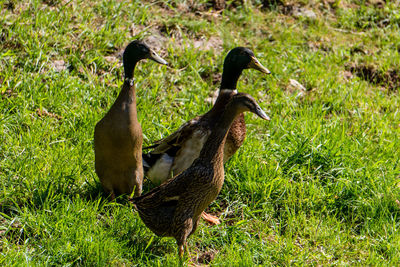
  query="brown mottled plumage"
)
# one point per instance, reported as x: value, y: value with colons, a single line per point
x: 118, y: 135
x: 174, y: 208
x: 235, y: 138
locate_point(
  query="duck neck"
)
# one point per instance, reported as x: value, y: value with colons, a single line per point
x: 129, y: 68
x: 128, y: 92
x: 222, y: 100
x: 214, y: 146
x: 230, y: 77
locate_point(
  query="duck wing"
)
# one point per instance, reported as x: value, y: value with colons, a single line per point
x: 164, y: 151
x: 176, y: 138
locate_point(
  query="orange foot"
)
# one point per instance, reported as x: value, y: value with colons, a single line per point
x: 213, y: 220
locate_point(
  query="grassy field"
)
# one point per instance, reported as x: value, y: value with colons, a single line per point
x: 317, y: 185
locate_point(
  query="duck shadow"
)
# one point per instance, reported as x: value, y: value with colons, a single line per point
x: 94, y: 190
x: 138, y: 239
x: 150, y: 246
x: 143, y: 244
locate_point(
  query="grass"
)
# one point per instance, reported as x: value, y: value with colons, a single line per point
x: 317, y: 185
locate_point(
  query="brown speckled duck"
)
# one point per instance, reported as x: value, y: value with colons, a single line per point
x: 118, y: 135
x: 175, y: 153
x: 174, y: 208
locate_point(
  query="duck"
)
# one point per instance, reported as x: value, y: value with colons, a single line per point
x: 118, y: 135
x: 173, y: 209
x: 175, y: 153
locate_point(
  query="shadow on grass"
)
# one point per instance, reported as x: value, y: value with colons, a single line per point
x: 150, y: 247
x: 137, y: 239
x: 51, y: 193
x: 93, y: 190
x: 54, y: 190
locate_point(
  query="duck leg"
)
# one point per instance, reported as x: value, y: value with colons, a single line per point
x: 181, y: 251
x: 185, y: 231
x: 138, y: 181
x: 213, y: 220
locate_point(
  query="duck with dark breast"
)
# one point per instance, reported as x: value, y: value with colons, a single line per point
x: 118, y: 135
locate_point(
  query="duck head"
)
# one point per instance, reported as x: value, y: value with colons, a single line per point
x: 243, y: 102
x: 136, y: 51
x: 236, y: 61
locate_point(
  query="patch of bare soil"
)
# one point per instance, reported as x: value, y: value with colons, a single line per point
x: 300, y: 88
x: 212, y: 96
x: 284, y: 7
x: 356, y: 49
x: 389, y: 79
x: 159, y: 36
x: 156, y: 40
x: 218, y: 4
x: 59, y: 65
x: 193, y: 5
x: 376, y: 3
x: 208, y: 43
x: 44, y: 113
x: 215, y: 77
x: 295, y: 87
x: 299, y: 9
x: 322, y: 45
x: 346, y: 75
x: 203, y: 258
x: 206, y: 257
